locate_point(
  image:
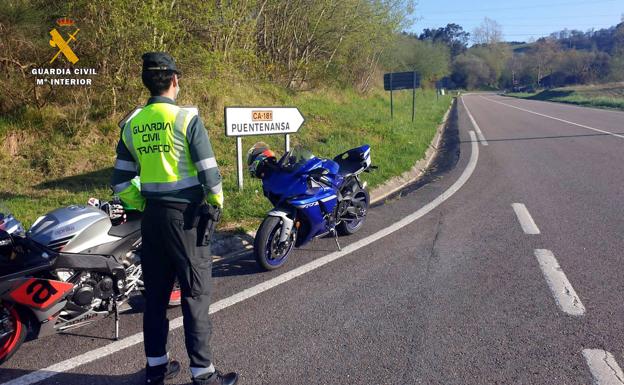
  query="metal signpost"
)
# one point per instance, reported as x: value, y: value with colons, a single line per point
x: 438, y: 85
x: 402, y: 81
x: 247, y: 121
x: 442, y: 84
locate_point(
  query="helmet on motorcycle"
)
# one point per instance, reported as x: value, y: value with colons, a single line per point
x: 257, y: 154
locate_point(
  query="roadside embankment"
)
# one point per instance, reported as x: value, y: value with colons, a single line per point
x: 45, y: 164
x: 609, y: 95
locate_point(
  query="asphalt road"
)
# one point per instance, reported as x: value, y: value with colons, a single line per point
x: 446, y: 284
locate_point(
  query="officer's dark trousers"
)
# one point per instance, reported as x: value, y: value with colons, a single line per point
x: 170, y: 250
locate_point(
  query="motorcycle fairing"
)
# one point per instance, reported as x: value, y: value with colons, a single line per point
x: 92, y: 262
x: 294, y: 183
x: 314, y: 210
x: 40, y: 293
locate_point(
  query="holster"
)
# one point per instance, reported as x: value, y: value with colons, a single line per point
x: 208, y: 216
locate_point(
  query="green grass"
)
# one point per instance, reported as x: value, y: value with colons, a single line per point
x: 43, y: 167
x: 599, y: 96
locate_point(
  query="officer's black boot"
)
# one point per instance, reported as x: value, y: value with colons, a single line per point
x: 156, y: 375
x: 216, y: 378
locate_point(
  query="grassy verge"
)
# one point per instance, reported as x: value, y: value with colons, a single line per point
x: 600, y: 96
x: 43, y: 167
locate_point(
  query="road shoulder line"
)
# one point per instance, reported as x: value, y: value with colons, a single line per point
x: 475, y: 125
x: 558, y: 119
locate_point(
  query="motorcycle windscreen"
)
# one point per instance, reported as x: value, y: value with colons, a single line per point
x: 8, y: 222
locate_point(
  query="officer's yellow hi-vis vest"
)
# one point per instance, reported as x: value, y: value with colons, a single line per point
x: 156, y: 138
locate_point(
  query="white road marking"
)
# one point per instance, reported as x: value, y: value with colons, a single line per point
x: 565, y: 296
x: 137, y: 338
x: 563, y: 104
x: 525, y: 219
x: 552, y: 117
x: 475, y: 125
x: 604, y: 369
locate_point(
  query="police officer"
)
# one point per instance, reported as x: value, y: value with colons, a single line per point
x: 168, y: 147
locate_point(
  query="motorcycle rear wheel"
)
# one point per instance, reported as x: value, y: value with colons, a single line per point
x: 14, y: 328
x: 352, y: 223
x: 268, y: 251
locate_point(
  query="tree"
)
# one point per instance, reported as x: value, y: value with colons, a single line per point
x: 431, y: 60
x: 453, y: 35
x: 489, y: 32
x: 544, y: 55
x: 470, y: 71
x: 616, y: 65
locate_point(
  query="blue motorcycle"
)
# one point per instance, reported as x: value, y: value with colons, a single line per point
x: 312, y: 197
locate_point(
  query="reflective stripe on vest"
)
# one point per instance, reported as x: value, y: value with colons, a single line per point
x: 156, y: 138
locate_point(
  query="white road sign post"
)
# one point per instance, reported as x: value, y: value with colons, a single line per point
x: 247, y: 121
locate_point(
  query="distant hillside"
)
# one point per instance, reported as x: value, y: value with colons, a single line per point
x: 604, y: 40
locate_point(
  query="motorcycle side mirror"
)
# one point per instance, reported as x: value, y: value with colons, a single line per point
x: 5, y: 238
x: 6, y: 245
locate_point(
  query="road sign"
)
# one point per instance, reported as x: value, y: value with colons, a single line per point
x: 245, y: 121
x: 401, y: 81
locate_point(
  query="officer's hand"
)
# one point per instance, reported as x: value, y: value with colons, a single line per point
x: 115, y: 211
x: 215, y: 200
x: 94, y: 202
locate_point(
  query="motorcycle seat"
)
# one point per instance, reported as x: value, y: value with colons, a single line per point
x: 348, y: 165
x: 125, y: 229
x: 347, y: 168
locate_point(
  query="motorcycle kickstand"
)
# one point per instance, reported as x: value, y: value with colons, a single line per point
x: 116, y: 314
x: 336, y: 239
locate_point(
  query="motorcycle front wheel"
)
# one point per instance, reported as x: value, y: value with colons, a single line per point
x: 12, y: 331
x: 269, y: 252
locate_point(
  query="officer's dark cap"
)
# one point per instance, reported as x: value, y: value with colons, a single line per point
x: 159, y: 61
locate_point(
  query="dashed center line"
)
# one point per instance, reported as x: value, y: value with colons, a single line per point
x: 565, y: 295
x: 603, y: 367
x: 525, y: 219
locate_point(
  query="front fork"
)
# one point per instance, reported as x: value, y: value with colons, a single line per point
x: 287, y: 223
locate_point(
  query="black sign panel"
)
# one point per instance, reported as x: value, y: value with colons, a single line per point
x: 401, y: 80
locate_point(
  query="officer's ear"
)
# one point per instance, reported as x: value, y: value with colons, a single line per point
x: 174, y: 82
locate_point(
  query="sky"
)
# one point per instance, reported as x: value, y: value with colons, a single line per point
x: 521, y: 20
